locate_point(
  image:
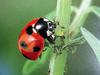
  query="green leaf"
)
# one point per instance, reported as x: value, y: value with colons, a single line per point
x: 80, y: 17
x: 93, y: 42
x: 96, y: 10
x: 46, y: 54
x: 31, y: 66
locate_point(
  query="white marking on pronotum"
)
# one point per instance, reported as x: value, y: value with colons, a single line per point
x: 33, y: 28
x: 38, y: 27
x: 46, y: 19
x: 33, y: 25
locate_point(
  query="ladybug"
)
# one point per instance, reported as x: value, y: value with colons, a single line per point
x: 32, y: 37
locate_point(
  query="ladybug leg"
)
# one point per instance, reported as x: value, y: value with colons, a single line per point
x: 40, y: 56
x: 51, y: 39
x: 44, y: 50
x: 46, y: 44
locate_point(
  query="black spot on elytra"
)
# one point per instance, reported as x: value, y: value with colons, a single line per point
x: 29, y: 30
x: 23, y: 44
x: 36, y: 49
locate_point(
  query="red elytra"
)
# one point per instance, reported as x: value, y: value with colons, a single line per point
x: 31, y: 46
x: 33, y: 22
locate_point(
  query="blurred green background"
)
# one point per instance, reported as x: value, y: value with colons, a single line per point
x: 14, y: 14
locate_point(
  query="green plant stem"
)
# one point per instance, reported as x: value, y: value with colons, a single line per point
x: 74, y: 9
x: 60, y: 62
x: 63, y: 12
x: 80, y: 17
x: 52, y: 64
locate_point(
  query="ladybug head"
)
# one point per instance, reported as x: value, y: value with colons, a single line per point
x: 30, y: 46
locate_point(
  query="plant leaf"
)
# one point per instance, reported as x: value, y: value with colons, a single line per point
x: 80, y: 17
x: 93, y: 42
x: 96, y: 10
x: 31, y: 66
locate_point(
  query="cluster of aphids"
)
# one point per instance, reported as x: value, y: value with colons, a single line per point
x: 32, y: 37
